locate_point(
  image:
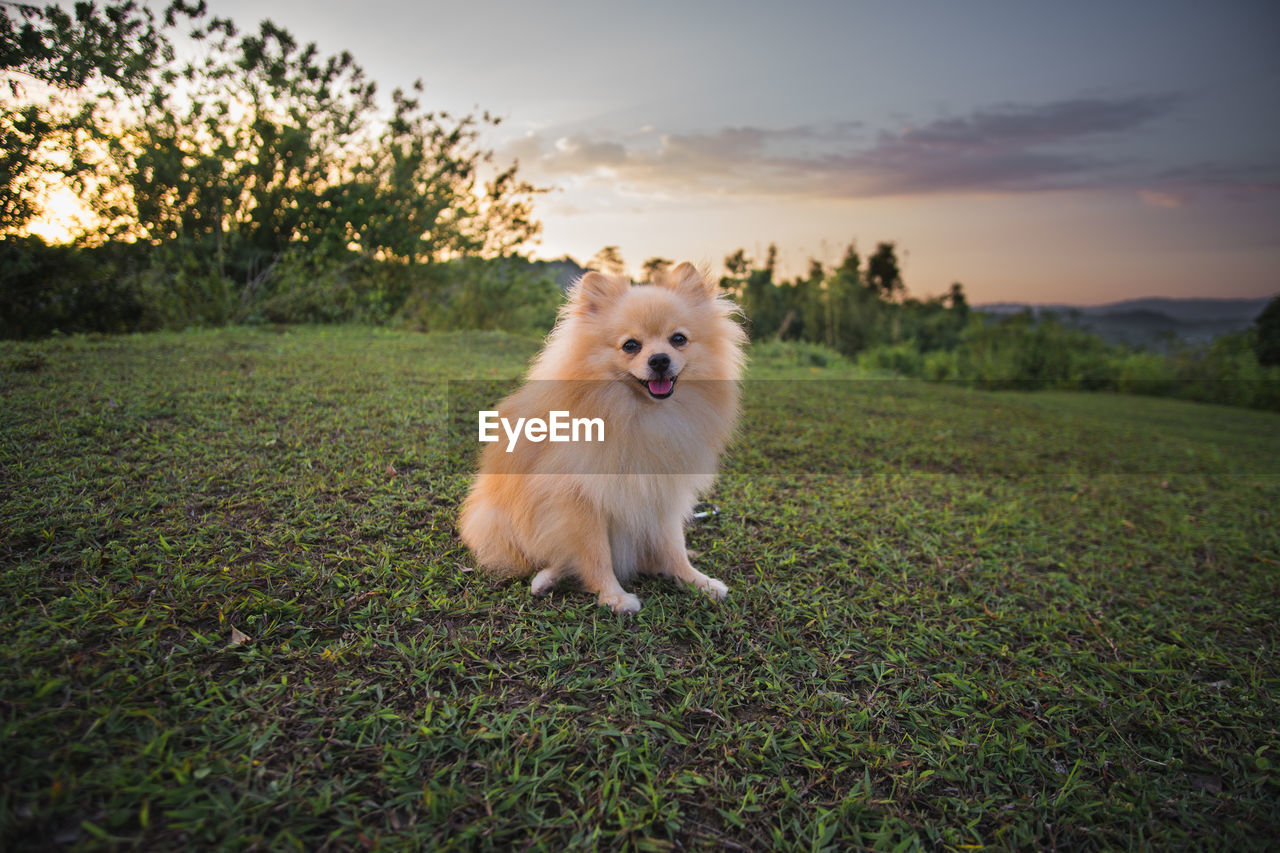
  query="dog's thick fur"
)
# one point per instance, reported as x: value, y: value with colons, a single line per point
x: 603, y: 512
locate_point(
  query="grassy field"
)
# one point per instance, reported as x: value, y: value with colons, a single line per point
x: 236, y: 614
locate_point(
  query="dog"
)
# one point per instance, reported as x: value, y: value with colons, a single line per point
x: 658, y: 366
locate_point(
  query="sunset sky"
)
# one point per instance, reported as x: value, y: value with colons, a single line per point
x: 1047, y: 152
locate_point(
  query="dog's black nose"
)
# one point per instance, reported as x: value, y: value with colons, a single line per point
x: 659, y: 362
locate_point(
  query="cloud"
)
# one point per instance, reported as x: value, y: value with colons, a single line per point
x: 715, y: 152
x: 1013, y: 126
x: 576, y: 154
x: 1240, y: 178
x: 1005, y: 149
x: 1156, y: 198
x: 1002, y: 149
x: 729, y: 160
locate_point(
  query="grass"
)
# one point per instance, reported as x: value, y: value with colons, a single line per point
x: 236, y: 614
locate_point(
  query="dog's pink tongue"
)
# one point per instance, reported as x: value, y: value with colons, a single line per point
x: 658, y: 387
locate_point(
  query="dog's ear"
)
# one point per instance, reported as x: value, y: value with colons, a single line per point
x: 596, y: 290
x: 690, y: 281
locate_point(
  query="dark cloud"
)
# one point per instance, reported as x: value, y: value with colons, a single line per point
x: 1007, y: 149
x: 1242, y: 177
x: 1020, y: 126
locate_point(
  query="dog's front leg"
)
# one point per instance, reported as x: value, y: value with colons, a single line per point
x: 671, y: 558
x: 595, y: 569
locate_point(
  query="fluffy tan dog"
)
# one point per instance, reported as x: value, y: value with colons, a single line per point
x: 658, y: 366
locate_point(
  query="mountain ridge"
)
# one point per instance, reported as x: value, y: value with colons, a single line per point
x: 1158, y: 322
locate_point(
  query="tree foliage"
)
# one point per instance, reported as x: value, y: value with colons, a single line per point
x: 609, y: 260
x: 1267, y: 334
x: 255, y: 165
x: 653, y: 267
x: 861, y: 310
x: 849, y: 308
x: 51, y: 51
x: 118, y: 43
x: 883, y: 273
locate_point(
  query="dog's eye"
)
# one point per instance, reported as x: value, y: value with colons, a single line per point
x: 678, y: 340
x: 631, y: 347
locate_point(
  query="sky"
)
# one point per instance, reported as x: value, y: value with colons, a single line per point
x: 1075, y: 153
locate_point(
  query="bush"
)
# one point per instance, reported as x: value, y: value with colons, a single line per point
x: 48, y: 289
x: 1227, y: 372
x: 304, y: 288
x: 902, y: 359
x: 794, y: 354
x: 128, y: 287
x: 941, y: 366
x: 1143, y: 373
x: 504, y: 294
x: 179, y: 292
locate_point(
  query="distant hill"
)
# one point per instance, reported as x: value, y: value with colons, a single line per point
x: 565, y: 271
x: 1155, y: 323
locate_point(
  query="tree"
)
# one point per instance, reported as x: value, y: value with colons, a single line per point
x: 608, y: 260
x: 654, y: 267
x: 811, y: 297
x: 956, y: 299
x: 761, y: 299
x: 851, y: 263
x: 119, y: 43
x: 115, y: 48
x: 1266, y: 342
x: 263, y: 166
x: 737, y: 264
x: 883, y: 273
x: 258, y: 169
x: 843, y: 293
x: 264, y: 144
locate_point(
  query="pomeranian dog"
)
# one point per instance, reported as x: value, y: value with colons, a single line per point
x: 658, y: 365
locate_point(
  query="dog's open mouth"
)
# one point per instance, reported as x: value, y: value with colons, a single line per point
x: 660, y: 389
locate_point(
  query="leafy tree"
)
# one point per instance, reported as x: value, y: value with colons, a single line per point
x: 259, y: 166
x: 609, y: 260
x: 809, y: 298
x: 52, y: 50
x: 423, y: 173
x: 883, y: 273
x: 1266, y: 343
x: 262, y: 165
x: 958, y: 302
x: 737, y: 264
x: 760, y: 299
x: 851, y: 263
x: 847, y: 323
x: 263, y: 145
x: 654, y: 267
x: 119, y: 43
x: 935, y: 324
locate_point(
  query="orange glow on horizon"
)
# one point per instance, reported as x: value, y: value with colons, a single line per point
x: 63, y: 217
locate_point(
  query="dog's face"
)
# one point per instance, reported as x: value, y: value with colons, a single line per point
x: 653, y: 346
x: 651, y: 336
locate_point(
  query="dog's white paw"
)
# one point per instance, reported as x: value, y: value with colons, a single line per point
x: 543, y: 581
x: 714, y: 588
x: 624, y: 603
